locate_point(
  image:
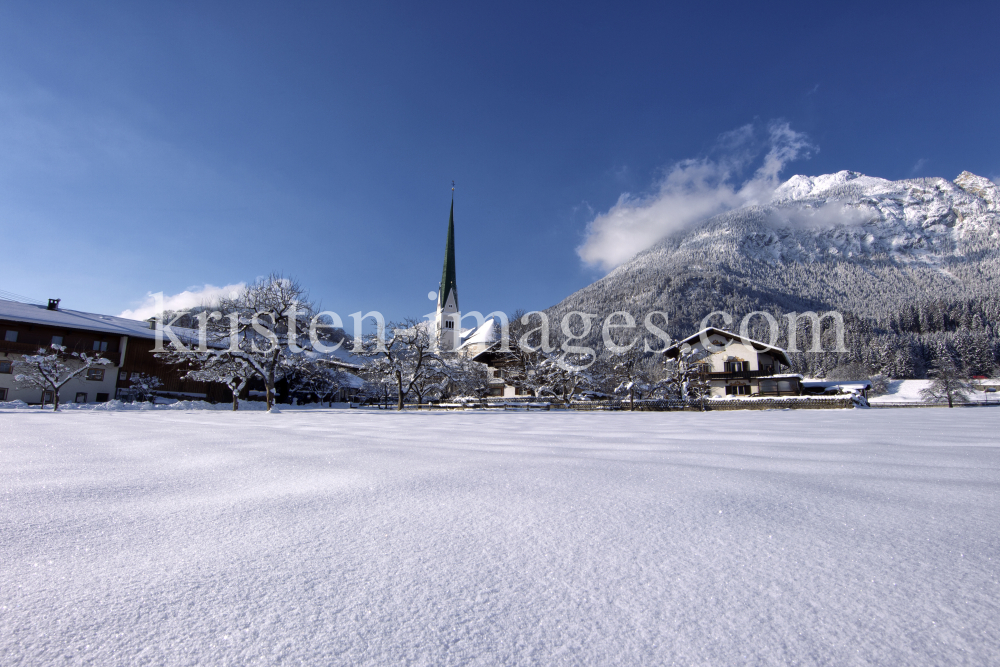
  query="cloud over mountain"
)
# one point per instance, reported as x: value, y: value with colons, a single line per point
x: 693, y: 190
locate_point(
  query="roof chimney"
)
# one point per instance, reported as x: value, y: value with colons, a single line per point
x: 54, y: 304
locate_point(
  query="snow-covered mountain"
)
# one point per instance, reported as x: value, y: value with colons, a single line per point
x: 866, y: 246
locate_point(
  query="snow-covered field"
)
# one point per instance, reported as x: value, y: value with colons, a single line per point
x: 171, y: 537
x: 908, y: 391
x: 905, y: 391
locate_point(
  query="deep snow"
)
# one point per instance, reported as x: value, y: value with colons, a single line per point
x: 363, y: 537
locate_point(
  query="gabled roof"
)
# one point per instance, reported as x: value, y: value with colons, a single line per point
x: 30, y: 313
x: 778, y: 353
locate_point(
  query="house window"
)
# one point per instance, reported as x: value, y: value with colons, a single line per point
x: 3, y: 394
x: 738, y: 390
x: 737, y: 366
x: 123, y: 375
x: 81, y: 397
x: 10, y: 336
x: 102, y: 398
x: 100, y: 346
x: 5, y: 366
x: 57, y: 340
x: 47, y: 397
x: 96, y: 374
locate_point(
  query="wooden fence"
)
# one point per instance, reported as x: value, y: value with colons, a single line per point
x: 529, y: 404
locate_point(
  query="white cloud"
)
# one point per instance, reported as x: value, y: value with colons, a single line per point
x: 918, y: 166
x: 189, y: 298
x: 693, y: 190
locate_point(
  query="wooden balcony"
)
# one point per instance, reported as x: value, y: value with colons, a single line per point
x: 8, y: 347
x: 740, y: 375
x: 19, y: 348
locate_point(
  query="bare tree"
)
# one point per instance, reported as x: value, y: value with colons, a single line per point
x: 948, y: 382
x: 321, y: 378
x: 268, y: 328
x: 232, y: 371
x: 629, y: 372
x: 683, y: 375
x: 378, y: 389
x: 467, y: 377
x: 563, y: 376
x: 53, y: 369
x: 405, y: 354
x: 524, y: 364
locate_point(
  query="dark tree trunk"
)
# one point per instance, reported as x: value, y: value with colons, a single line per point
x: 399, y: 390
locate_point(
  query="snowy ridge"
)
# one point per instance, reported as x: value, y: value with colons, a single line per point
x: 849, y: 215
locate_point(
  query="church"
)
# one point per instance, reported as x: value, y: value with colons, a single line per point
x: 450, y: 335
x: 447, y: 321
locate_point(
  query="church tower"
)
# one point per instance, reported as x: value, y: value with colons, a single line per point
x: 448, y: 327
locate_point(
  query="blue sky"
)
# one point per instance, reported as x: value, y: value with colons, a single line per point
x: 152, y: 147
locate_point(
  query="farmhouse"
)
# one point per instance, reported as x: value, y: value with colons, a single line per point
x: 736, y: 366
x: 127, y: 344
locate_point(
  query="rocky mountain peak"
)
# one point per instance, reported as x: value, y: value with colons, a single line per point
x: 980, y: 187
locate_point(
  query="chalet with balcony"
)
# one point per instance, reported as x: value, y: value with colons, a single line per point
x: 736, y: 366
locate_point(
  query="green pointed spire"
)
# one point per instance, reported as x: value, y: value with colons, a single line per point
x: 448, y: 274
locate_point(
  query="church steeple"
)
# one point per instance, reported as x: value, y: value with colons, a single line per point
x: 448, y: 318
x: 448, y: 273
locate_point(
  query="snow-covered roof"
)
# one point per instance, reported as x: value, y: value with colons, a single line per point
x: 781, y: 355
x: 827, y: 384
x: 353, y: 381
x: 15, y: 311
x: 30, y: 313
x: 484, y: 335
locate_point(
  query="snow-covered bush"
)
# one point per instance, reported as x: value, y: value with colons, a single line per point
x: 143, y: 387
